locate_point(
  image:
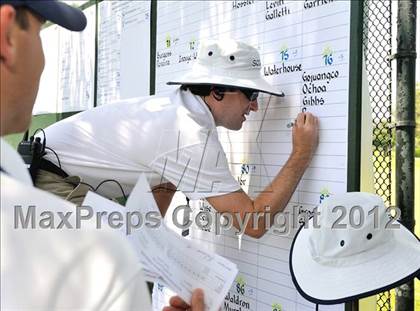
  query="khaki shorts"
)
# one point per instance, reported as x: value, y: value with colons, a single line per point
x: 69, y: 188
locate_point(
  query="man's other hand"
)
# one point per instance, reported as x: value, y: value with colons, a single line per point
x: 177, y: 304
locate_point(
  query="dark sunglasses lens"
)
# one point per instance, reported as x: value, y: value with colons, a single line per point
x: 250, y: 94
x: 254, y: 96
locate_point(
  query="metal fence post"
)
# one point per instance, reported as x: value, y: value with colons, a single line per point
x: 405, y: 129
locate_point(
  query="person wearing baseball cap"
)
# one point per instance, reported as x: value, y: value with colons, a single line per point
x: 173, y: 139
x: 54, y: 11
x: 22, y: 55
x: 51, y: 269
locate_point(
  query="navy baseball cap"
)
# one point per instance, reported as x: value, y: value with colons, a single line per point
x: 54, y: 11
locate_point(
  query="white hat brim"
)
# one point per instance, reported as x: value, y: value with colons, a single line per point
x: 324, y: 284
x: 259, y: 84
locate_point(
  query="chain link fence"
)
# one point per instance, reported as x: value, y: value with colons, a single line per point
x: 377, y: 46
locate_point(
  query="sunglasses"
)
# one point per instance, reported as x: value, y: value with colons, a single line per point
x: 251, y: 94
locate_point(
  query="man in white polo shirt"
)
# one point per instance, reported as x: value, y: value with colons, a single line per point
x: 173, y: 138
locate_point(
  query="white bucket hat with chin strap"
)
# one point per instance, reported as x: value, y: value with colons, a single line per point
x: 228, y: 63
x: 335, y: 265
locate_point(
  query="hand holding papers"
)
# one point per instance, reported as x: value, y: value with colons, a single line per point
x: 178, y: 263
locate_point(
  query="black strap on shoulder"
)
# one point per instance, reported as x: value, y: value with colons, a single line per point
x: 52, y: 168
x: 39, y: 163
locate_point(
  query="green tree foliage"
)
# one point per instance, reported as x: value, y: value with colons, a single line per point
x: 382, y: 135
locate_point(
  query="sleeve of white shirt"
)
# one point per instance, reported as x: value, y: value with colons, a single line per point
x: 63, y: 269
x: 199, y: 170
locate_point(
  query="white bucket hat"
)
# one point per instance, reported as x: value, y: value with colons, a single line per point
x: 331, y: 266
x: 228, y: 63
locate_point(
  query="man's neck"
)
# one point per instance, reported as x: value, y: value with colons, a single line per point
x: 203, y: 98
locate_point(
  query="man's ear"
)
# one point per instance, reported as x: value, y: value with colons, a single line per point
x: 7, y: 22
x: 217, y: 94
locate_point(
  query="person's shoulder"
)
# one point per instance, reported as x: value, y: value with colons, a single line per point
x: 101, y: 259
x: 102, y: 243
x: 16, y: 193
x: 160, y: 100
